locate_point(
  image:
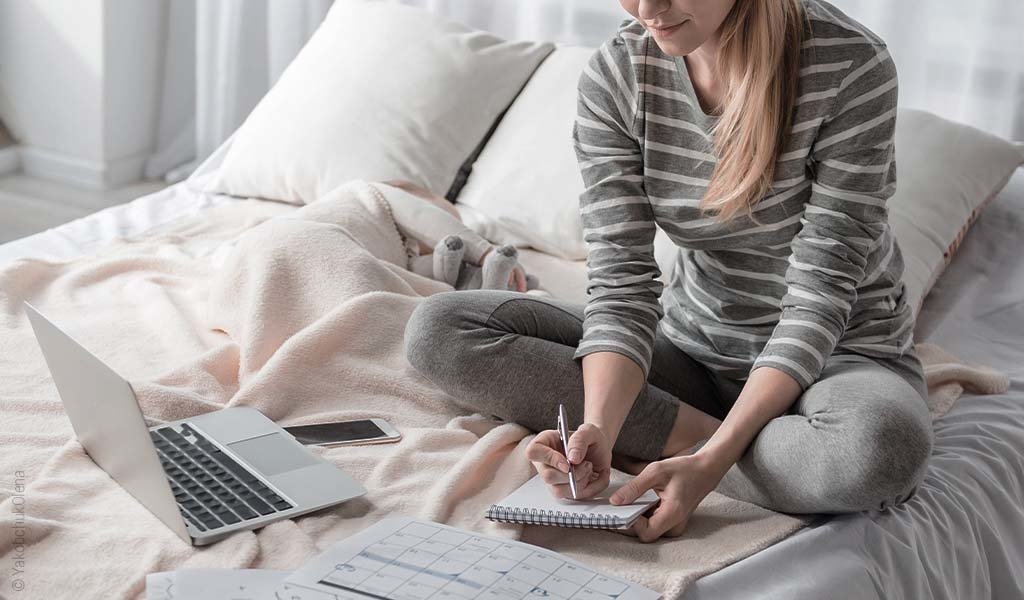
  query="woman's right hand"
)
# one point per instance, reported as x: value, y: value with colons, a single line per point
x: 590, y: 453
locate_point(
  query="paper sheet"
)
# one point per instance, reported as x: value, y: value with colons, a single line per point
x: 411, y: 559
x: 213, y: 584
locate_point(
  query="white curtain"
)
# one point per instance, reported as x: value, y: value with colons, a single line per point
x: 222, y: 57
x: 961, y: 60
x: 964, y: 61
x: 579, y: 22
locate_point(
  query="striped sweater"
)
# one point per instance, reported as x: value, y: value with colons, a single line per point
x: 819, y: 273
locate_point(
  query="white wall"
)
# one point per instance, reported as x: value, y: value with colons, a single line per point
x: 51, y: 62
x: 79, y: 81
x: 133, y: 72
x: 5, y: 137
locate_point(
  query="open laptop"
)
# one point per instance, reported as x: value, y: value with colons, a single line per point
x: 205, y: 477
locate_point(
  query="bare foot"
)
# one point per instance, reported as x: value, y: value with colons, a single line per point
x: 633, y: 466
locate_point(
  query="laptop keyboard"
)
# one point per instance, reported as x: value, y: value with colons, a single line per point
x: 211, y: 488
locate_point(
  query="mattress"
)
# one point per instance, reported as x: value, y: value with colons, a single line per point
x: 961, y: 536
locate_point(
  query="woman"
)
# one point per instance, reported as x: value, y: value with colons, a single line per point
x: 759, y: 135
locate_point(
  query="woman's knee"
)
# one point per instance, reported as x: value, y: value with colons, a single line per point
x: 432, y: 335
x: 905, y: 442
x: 890, y: 443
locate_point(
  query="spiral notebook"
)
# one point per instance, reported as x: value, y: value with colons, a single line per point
x: 533, y: 504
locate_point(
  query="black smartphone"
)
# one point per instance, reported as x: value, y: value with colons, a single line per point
x: 341, y: 433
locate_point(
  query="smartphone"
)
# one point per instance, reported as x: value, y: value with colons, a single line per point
x: 341, y: 433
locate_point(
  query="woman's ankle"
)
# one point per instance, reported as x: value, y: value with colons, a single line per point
x: 628, y: 464
x: 692, y: 428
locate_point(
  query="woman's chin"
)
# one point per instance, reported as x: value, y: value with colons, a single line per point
x: 672, y: 47
x: 679, y: 41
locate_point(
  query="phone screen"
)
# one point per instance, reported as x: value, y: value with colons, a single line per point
x: 332, y: 433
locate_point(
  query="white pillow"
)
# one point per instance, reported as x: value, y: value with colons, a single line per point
x: 381, y: 91
x: 526, y: 183
x: 945, y: 174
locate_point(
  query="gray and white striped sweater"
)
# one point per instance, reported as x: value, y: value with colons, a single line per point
x: 821, y: 273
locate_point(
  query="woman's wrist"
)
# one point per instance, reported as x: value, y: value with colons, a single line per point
x: 610, y: 433
x: 721, y: 451
x: 767, y: 394
x: 727, y: 444
x: 611, y: 382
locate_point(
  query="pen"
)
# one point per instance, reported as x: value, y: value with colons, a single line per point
x: 563, y: 434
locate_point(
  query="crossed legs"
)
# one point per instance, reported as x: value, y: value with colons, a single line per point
x: 859, y: 438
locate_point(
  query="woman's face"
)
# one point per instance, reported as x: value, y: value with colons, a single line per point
x: 679, y: 26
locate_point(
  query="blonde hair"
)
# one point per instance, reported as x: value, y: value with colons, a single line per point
x: 759, y: 64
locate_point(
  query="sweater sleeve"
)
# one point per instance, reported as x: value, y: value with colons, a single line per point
x: 623, y: 307
x: 844, y: 220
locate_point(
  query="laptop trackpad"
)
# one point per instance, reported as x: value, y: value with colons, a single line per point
x: 272, y: 454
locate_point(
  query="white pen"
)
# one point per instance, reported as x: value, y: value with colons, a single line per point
x: 563, y: 434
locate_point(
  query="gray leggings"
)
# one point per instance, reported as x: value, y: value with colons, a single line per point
x: 857, y: 439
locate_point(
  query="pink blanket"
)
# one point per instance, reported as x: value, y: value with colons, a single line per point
x: 304, y: 321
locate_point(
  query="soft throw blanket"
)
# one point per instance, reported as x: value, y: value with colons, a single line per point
x: 948, y: 377
x: 304, y: 321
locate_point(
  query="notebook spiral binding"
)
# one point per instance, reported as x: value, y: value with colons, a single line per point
x: 533, y: 516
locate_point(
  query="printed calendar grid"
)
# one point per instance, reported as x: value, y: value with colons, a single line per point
x: 422, y: 562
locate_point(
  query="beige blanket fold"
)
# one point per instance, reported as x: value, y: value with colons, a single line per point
x: 948, y: 378
x: 303, y: 320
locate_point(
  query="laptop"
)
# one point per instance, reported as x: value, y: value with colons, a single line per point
x: 204, y: 477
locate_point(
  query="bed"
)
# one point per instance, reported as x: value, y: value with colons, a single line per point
x: 961, y: 536
x: 970, y: 510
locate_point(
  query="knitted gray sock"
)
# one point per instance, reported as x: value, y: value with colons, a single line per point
x: 448, y: 259
x: 498, y: 267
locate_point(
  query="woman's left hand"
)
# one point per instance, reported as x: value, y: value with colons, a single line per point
x: 681, y: 482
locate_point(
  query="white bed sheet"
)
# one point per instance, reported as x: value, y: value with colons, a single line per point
x: 962, y: 536
x: 83, y: 236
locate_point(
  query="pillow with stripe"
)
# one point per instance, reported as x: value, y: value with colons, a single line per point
x: 946, y: 174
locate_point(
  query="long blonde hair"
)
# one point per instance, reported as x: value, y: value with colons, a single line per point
x: 759, y: 63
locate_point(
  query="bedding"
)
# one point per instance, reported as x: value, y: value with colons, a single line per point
x: 191, y: 349
x: 85, y: 235
x: 282, y: 328
x: 962, y: 535
x: 524, y: 186
x: 203, y: 338
x: 356, y: 103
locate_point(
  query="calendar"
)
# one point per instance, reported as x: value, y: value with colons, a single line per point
x: 411, y: 559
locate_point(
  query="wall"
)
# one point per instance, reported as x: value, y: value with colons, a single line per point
x: 9, y: 161
x: 78, y: 86
x: 5, y: 136
x: 133, y: 75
